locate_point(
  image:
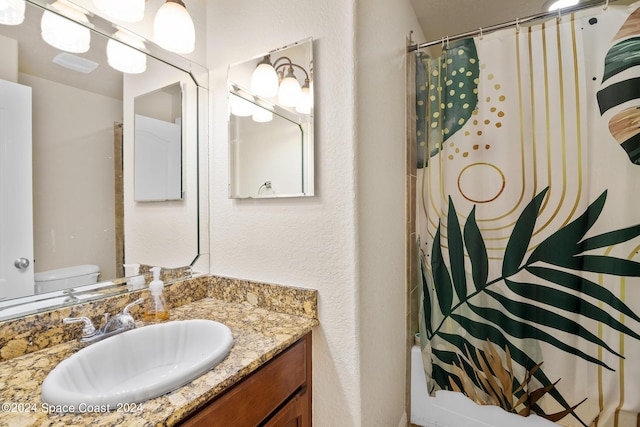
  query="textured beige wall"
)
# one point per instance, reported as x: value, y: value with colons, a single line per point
x: 348, y: 241
x: 9, y: 63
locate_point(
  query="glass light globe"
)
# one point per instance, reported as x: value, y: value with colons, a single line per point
x: 305, y: 101
x: 12, y: 12
x: 63, y: 33
x: 240, y: 107
x: 173, y: 28
x: 289, y: 92
x: 125, y: 58
x: 561, y: 4
x: 264, y: 81
x: 122, y: 10
x: 261, y: 115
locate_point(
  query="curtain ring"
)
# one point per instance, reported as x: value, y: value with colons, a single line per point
x: 517, y: 25
x: 481, y: 34
x: 447, y: 42
x: 559, y: 14
x: 606, y: 5
x: 442, y: 42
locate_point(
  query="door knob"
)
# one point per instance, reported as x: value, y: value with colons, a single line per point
x: 21, y: 263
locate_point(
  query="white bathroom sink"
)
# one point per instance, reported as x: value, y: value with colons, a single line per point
x: 137, y: 365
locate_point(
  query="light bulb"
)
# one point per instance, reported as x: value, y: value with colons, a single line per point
x: 173, y: 28
x: 122, y: 10
x: 290, y: 91
x: 63, y: 33
x: 123, y: 57
x: 561, y: 4
x: 264, y: 80
x: 12, y: 12
x: 305, y: 101
x: 240, y: 107
x: 261, y: 115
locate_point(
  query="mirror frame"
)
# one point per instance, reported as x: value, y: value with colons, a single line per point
x: 199, y: 74
x: 303, y: 122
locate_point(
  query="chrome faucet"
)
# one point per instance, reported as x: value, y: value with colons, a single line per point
x: 112, y: 326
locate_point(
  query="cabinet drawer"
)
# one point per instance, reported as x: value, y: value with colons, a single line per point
x: 256, y: 397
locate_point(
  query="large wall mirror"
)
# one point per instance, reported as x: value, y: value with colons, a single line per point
x: 81, y: 218
x: 271, y: 141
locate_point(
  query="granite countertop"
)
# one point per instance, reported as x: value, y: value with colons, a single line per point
x: 259, y: 334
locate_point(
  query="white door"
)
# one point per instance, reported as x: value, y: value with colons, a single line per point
x: 16, y: 205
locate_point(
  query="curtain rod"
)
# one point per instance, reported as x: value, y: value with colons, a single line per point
x: 528, y: 19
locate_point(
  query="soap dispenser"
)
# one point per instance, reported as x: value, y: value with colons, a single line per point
x: 156, y: 307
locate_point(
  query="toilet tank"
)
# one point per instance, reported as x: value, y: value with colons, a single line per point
x: 67, y: 277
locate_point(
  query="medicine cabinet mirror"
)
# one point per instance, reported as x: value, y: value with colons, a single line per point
x: 158, y: 145
x: 271, y: 141
x: 84, y: 208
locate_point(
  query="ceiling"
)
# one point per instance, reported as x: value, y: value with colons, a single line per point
x: 440, y: 18
x: 35, y: 58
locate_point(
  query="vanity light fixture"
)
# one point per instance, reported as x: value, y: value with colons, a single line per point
x: 122, y: 10
x: 62, y: 32
x: 122, y: 56
x: 270, y: 80
x: 264, y: 80
x: 173, y: 28
x: 290, y: 90
x: 12, y: 12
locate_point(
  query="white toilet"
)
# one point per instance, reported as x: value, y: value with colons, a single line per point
x: 64, y: 278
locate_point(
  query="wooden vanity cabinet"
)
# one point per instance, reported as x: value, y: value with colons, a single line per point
x: 278, y: 394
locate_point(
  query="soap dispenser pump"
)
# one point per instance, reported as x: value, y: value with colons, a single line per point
x: 156, y: 308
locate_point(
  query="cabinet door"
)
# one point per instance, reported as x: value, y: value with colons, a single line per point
x: 282, y: 385
x: 294, y: 414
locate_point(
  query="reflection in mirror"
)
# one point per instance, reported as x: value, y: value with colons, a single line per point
x: 78, y: 172
x: 271, y: 124
x: 158, y: 145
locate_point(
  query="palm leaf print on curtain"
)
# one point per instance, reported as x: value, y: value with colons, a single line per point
x: 530, y: 220
x: 624, y: 56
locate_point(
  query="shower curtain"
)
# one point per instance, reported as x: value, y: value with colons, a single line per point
x: 528, y: 143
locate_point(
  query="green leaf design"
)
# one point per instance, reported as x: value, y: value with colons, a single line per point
x: 609, y: 239
x: 477, y: 251
x: 456, y: 252
x: 621, y: 56
x: 542, y: 307
x: 426, y: 301
x: 523, y: 330
x: 440, y: 375
x: 583, y: 286
x: 521, y: 236
x: 563, y: 244
x: 459, y: 71
x: 599, y: 264
x: 568, y: 302
x: 441, y: 277
x: 450, y: 358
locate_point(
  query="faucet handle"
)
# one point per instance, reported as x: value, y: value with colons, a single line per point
x: 88, y: 328
x: 126, y: 309
x: 122, y: 321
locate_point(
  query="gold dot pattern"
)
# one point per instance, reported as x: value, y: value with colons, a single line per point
x: 447, y: 92
x: 492, y: 111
